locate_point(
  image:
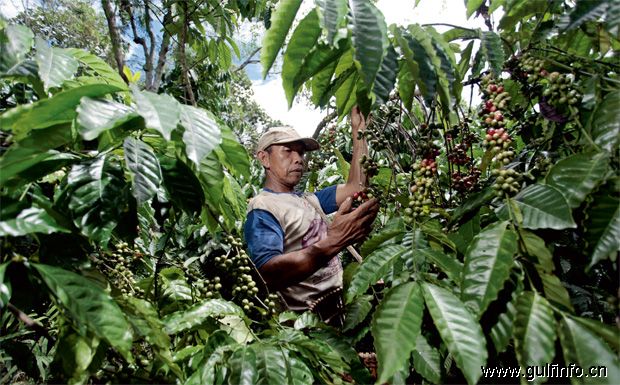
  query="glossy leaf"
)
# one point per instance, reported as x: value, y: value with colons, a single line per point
x: 451, y: 266
x: 51, y: 111
x: 386, y: 77
x: 493, y: 50
x: 55, y: 64
x: 242, y: 364
x: 427, y: 361
x: 201, y: 134
x: 426, y: 77
x: 15, y: 42
x: 472, y: 6
x: 281, y: 21
x: 29, y: 221
x: 271, y: 365
x: 487, y: 266
x: 90, y: 307
x: 97, y: 67
x: 501, y: 332
x: 395, y: 328
x: 182, y: 185
x: 583, y: 11
x: 232, y: 154
x: 606, y: 126
x: 535, y: 246
x: 331, y: 17
x: 603, y: 225
x: 5, y: 286
x: 458, y: 329
x: 555, y: 292
x: 607, y: 332
x: 144, y: 167
x: 534, y: 330
x: 394, y: 227
x: 542, y: 207
x: 145, y: 321
x: 583, y: 347
x: 301, y: 43
x: 197, y: 314
x: 357, y: 311
x: 298, y: 373
x: 160, y: 112
x: 370, y: 41
x: 373, y: 268
x: 77, y: 354
x: 95, y: 116
x: 577, y: 175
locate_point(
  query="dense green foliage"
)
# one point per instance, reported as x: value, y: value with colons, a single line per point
x: 496, y: 244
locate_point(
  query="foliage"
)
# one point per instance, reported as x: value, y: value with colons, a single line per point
x: 495, y: 245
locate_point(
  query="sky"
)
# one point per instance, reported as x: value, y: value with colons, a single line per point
x: 270, y: 94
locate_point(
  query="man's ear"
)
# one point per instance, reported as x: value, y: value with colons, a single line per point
x: 263, y: 157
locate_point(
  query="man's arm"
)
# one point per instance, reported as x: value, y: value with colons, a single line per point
x: 348, y: 227
x: 357, y: 177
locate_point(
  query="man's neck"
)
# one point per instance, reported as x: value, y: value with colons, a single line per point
x: 277, y: 187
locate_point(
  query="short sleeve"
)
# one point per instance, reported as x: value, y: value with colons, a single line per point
x: 264, y: 236
x: 327, y: 199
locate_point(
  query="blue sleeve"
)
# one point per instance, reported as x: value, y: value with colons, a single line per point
x: 327, y: 198
x: 264, y: 236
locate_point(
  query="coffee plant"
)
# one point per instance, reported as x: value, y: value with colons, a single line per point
x: 496, y: 244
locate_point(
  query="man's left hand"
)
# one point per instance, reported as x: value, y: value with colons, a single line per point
x: 358, y: 122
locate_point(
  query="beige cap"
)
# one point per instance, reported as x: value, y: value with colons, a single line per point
x: 281, y: 135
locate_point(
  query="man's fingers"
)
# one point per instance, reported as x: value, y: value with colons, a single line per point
x: 345, y: 207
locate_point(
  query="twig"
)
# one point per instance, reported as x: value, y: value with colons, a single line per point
x: 30, y: 323
x: 248, y: 60
x: 323, y: 123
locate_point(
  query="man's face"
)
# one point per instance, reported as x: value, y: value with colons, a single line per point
x: 284, y: 162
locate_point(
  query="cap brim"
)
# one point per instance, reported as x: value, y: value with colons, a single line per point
x: 309, y: 143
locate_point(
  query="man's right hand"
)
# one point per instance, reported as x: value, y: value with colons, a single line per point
x: 351, y: 226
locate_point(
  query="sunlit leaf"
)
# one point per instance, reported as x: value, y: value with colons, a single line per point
x: 15, y: 42
x: 160, y: 112
x: 370, y: 39
x: 201, y: 134
x: 144, y: 167
x: 331, y: 17
x: 197, y: 314
x: 427, y: 360
x: 55, y: 64
x: 98, y: 115
x: 281, y: 21
x: 29, y: 221
x: 5, y: 286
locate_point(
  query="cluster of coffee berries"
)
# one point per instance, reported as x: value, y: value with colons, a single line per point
x: 560, y: 90
x: 360, y: 197
x: 458, y: 154
x: 465, y: 182
x: 117, y: 267
x: 533, y: 68
x: 420, y: 197
x: 495, y: 101
x: 371, y: 168
x: 376, y: 140
x: 507, y: 182
x: 498, y: 141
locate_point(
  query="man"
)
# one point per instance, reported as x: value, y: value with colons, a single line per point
x: 290, y: 243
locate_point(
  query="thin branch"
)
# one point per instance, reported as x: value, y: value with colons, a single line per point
x: 189, y: 93
x: 148, y: 65
x: 115, y: 37
x: 449, y: 25
x: 248, y: 60
x: 323, y: 123
x: 163, y: 52
x: 30, y: 323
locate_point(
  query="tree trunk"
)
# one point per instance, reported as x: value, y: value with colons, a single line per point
x: 189, y: 93
x: 163, y: 51
x: 115, y: 37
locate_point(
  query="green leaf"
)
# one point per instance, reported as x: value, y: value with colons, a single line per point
x: 427, y: 360
x: 145, y: 321
x: 472, y: 6
x: 463, y: 65
x: 160, y: 112
x: 583, y: 347
x: 466, y: 233
x: 502, y: 331
x: 281, y: 21
x: 394, y: 227
x: 212, y: 178
x: 205, y: 375
x: 242, y: 364
x: 555, y: 292
x: 182, y: 185
x: 55, y: 64
x: 458, y: 329
x: 52, y: 111
x: 5, y: 286
x: 395, y: 328
x: 535, y: 246
x: 271, y: 365
x: 447, y: 67
x: 297, y: 372
x: 31, y: 220
x: 96, y: 66
x: 608, y: 332
x: 386, y: 77
x: 603, y: 225
x: 583, y: 11
x: 95, y: 116
x: 76, y: 353
x: 299, y: 46
x: 96, y: 197
x: 144, y: 167
x: 451, y: 266
x: 534, y: 330
x: 235, y: 197
x: 577, y: 175
x: 372, y: 268
x: 487, y: 266
x: 606, y: 126
x: 543, y: 207
x: 357, y: 311
x: 370, y: 40
x: 90, y: 307
x: 406, y: 85
x: 493, y: 50
x: 343, y: 165
x: 331, y: 17
x: 425, y: 76
x: 345, y: 95
x: 232, y: 154
x: 201, y: 133
x: 321, y: 85
x: 15, y: 42
x: 198, y: 314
